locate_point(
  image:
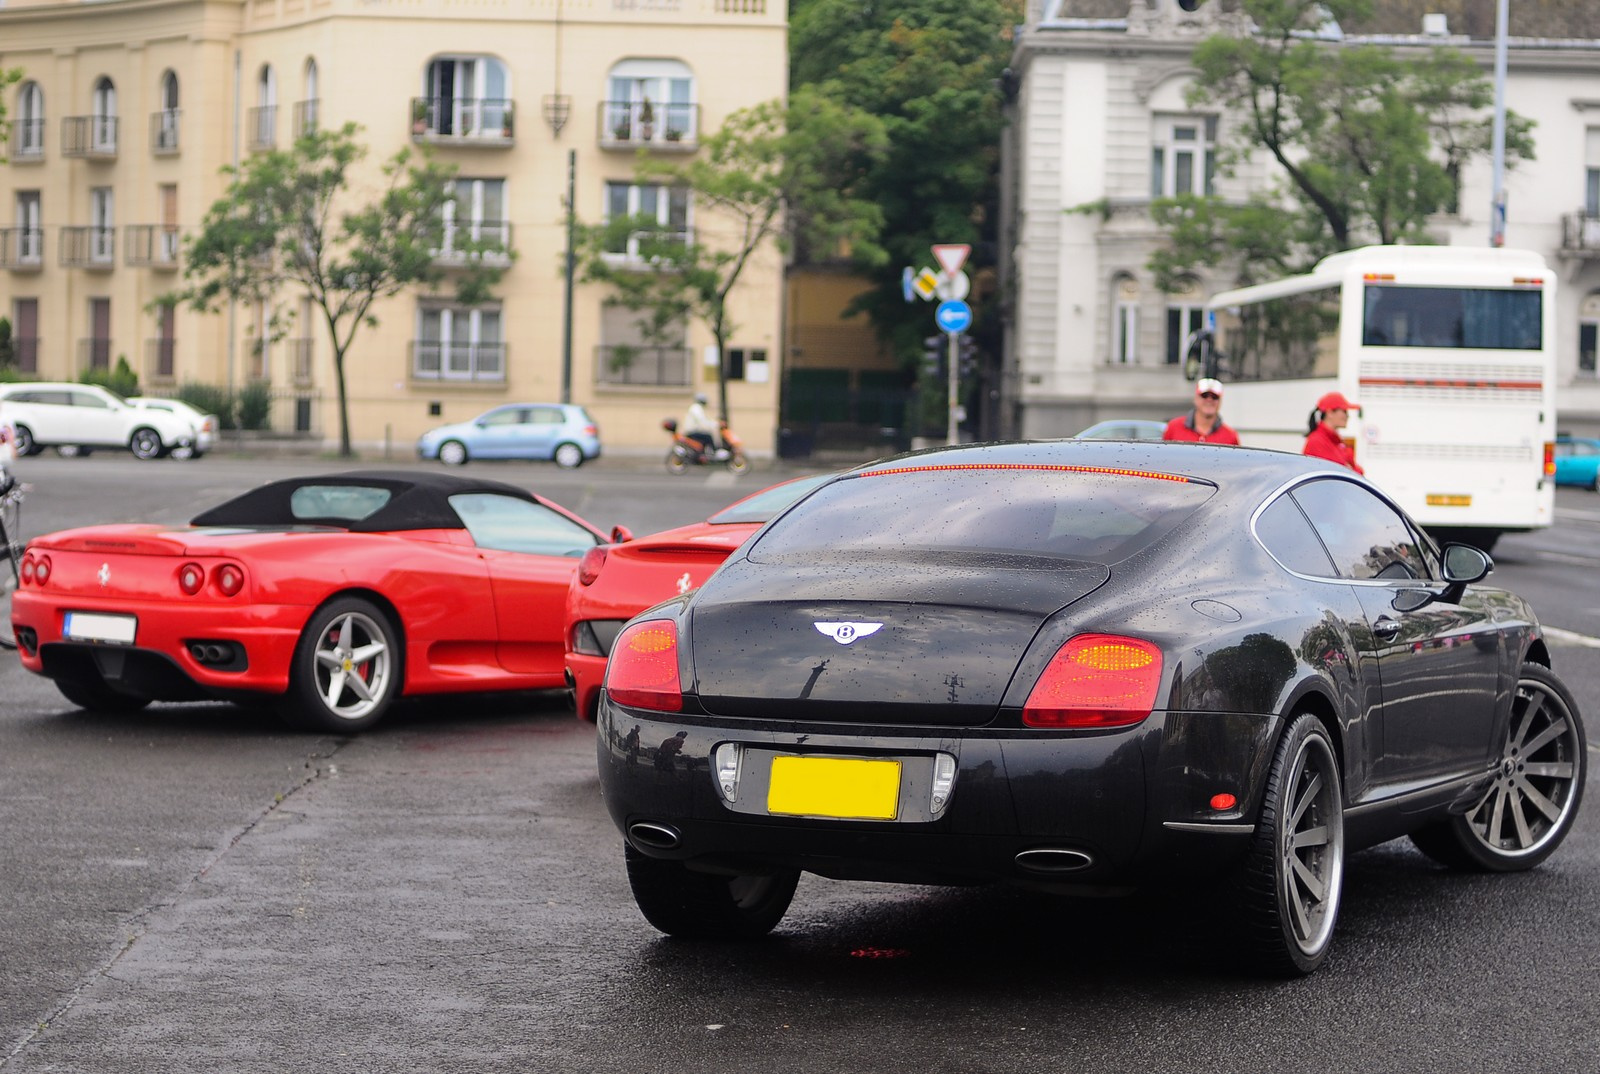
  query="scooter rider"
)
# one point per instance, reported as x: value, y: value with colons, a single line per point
x: 698, y: 426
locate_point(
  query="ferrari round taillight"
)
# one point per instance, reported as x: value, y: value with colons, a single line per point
x: 191, y: 576
x: 41, y: 570
x: 1096, y: 680
x: 589, y: 566
x: 27, y: 568
x: 643, y: 670
x: 230, y: 579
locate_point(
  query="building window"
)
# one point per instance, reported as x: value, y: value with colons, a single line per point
x: 1183, y: 158
x: 103, y: 129
x: 28, y: 128
x: 1588, y: 333
x: 263, y: 120
x: 305, y: 113
x: 1185, y: 315
x: 164, y: 124
x: 667, y: 206
x: 29, y: 248
x: 25, y: 337
x: 650, y: 101
x: 746, y: 363
x: 103, y: 226
x: 1125, y: 321
x: 475, y: 220
x: 466, y: 96
x: 627, y: 357
x: 1591, y: 174
x: 458, y: 343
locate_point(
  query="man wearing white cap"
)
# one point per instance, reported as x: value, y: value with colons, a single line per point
x: 1204, y: 423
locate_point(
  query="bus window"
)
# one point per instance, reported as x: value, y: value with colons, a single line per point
x: 1478, y: 318
x: 1282, y: 338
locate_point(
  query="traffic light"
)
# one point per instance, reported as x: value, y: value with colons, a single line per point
x: 967, y: 355
x: 933, y: 352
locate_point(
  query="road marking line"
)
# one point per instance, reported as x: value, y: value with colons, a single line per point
x: 1567, y: 557
x: 1572, y: 637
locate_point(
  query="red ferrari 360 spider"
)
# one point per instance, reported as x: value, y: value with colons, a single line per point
x: 334, y: 594
x: 614, y: 582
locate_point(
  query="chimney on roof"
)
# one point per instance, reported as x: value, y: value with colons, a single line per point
x: 1436, y: 25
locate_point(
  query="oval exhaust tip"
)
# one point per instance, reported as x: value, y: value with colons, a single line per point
x: 649, y: 834
x: 1054, y: 860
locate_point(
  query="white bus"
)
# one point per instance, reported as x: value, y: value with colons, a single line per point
x: 1448, y: 351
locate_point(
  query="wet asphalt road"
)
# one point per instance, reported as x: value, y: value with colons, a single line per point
x: 194, y: 888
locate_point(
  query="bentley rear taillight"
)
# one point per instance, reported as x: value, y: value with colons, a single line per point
x: 1094, y: 681
x: 591, y: 563
x: 643, y: 670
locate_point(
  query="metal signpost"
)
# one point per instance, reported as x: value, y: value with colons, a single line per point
x: 953, y: 316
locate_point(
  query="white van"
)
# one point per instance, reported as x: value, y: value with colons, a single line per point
x: 86, y: 416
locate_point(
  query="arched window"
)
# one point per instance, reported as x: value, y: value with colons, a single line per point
x: 651, y: 101
x: 103, y: 128
x: 166, y: 120
x: 305, y: 114
x: 29, y: 125
x: 264, y: 117
x: 466, y: 97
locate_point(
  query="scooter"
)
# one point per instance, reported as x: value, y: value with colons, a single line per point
x: 686, y: 452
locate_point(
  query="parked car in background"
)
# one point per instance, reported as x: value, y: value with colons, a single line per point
x: 83, y: 417
x: 1085, y: 666
x: 205, y: 426
x: 561, y: 432
x: 615, y: 582
x: 328, y: 595
x: 1124, y: 429
x: 1578, y: 461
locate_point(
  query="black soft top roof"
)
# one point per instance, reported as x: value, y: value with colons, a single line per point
x: 418, y: 500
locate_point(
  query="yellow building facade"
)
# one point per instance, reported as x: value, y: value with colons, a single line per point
x: 128, y: 110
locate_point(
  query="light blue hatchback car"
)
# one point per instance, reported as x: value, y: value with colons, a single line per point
x: 561, y: 432
x: 1578, y: 461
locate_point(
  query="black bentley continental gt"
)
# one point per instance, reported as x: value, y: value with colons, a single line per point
x: 1084, y: 667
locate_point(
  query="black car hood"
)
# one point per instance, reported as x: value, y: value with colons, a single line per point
x: 897, y: 642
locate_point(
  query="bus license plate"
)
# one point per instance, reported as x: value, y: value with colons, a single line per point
x: 1442, y: 499
x: 841, y: 787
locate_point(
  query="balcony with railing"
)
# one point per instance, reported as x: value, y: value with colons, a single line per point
x: 25, y: 352
x: 442, y: 360
x: 640, y: 366
x: 22, y: 249
x: 1580, y: 235
x: 89, y: 247
x: 306, y: 117
x: 485, y: 121
x: 27, y: 141
x: 261, y: 128
x: 164, y: 132
x: 89, y: 137
x: 160, y: 360
x: 94, y: 353
x: 666, y: 128
x: 151, y: 246
x: 475, y: 241
x: 300, y: 355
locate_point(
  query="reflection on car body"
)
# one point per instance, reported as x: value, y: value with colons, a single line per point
x: 1100, y: 666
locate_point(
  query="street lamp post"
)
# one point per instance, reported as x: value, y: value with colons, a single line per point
x: 1497, y: 207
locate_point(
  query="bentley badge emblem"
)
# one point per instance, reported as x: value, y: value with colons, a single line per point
x: 104, y: 574
x: 845, y: 633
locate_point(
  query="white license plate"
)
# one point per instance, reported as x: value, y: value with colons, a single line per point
x: 93, y: 626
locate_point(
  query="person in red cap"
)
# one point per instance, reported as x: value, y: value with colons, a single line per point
x: 1203, y: 423
x: 1323, y: 440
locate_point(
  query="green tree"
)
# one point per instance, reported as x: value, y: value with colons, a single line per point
x: 7, y: 77
x: 772, y: 174
x: 290, y: 221
x: 8, y: 354
x: 1370, y: 142
x: 930, y: 70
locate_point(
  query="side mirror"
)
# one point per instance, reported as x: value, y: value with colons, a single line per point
x: 620, y: 534
x: 1464, y: 564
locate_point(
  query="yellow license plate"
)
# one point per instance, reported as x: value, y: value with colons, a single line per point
x: 1440, y: 499
x: 834, y: 787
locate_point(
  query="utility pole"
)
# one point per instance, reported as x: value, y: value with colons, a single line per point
x: 1497, y: 207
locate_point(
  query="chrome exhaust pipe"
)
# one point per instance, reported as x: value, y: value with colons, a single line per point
x: 1054, y: 860
x: 657, y: 836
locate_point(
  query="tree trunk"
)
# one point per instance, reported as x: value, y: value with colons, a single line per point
x: 344, y: 406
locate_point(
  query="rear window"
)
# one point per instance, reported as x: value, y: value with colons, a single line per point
x: 344, y: 503
x: 985, y: 511
x: 764, y: 505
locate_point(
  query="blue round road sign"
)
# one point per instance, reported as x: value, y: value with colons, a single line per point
x: 953, y: 316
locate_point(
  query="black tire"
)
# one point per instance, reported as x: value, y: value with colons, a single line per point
x: 453, y: 453
x: 1289, y: 884
x: 568, y: 456
x: 705, y: 906
x: 90, y: 693
x: 738, y: 463
x: 1525, y: 815
x: 677, y: 462
x: 145, y: 443
x: 24, y: 443
x: 346, y: 670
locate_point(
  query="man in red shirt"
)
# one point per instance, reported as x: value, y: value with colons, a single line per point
x: 1203, y: 423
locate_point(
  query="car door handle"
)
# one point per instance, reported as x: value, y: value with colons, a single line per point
x: 1386, y: 628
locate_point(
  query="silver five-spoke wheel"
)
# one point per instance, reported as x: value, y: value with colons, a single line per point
x: 347, y: 667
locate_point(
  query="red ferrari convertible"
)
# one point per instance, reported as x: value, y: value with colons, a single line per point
x: 332, y: 594
x: 615, y: 582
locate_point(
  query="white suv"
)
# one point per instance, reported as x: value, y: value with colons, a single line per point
x: 85, y: 416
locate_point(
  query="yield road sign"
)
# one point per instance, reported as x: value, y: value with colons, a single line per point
x: 953, y: 316
x: 951, y: 256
